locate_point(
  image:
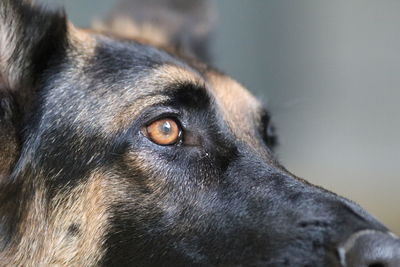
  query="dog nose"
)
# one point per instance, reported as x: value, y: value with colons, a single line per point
x: 370, y: 248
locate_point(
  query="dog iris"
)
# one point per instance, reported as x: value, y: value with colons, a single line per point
x: 163, y: 132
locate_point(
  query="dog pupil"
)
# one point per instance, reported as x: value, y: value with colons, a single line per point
x: 166, y: 128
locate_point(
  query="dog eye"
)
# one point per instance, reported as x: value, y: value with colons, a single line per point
x: 270, y: 136
x: 164, y: 132
x: 268, y: 131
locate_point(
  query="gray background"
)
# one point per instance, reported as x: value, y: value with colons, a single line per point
x: 330, y: 73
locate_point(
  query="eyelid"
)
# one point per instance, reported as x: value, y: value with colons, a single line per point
x: 172, y: 116
x: 157, y: 112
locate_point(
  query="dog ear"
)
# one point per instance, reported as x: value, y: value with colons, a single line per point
x: 29, y: 38
x: 185, y: 25
x: 8, y: 135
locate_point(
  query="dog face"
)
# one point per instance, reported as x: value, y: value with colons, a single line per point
x: 118, y: 152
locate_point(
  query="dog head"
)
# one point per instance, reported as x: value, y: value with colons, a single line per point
x: 119, y: 151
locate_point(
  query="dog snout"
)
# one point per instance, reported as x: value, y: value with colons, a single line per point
x: 370, y: 248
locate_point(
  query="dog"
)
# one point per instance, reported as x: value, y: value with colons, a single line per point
x: 123, y: 146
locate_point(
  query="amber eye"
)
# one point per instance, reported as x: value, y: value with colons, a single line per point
x: 164, y: 132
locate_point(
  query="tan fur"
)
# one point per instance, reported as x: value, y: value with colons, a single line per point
x: 238, y: 106
x: 82, y: 40
x: 44, y: 236
x: 176, y: 74
x: 127, y: 28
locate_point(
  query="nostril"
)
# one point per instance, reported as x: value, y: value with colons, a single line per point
x: 370, y: 248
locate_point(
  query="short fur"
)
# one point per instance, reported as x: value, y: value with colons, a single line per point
x: 81, y: 185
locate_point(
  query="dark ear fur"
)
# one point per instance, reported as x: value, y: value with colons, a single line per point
x: 8, y: 135
x: 186, y: 25
x: 29, y: 38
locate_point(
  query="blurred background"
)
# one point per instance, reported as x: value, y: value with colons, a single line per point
x: 329, y: 72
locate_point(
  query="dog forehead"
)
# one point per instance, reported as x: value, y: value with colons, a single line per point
x: 123, y: 77
x: 155, y: 66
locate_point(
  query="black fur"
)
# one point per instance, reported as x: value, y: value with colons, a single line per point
x: 214, y: 199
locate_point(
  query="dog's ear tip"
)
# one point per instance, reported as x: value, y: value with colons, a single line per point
x: 184, y: 25
x: 29, y: 34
